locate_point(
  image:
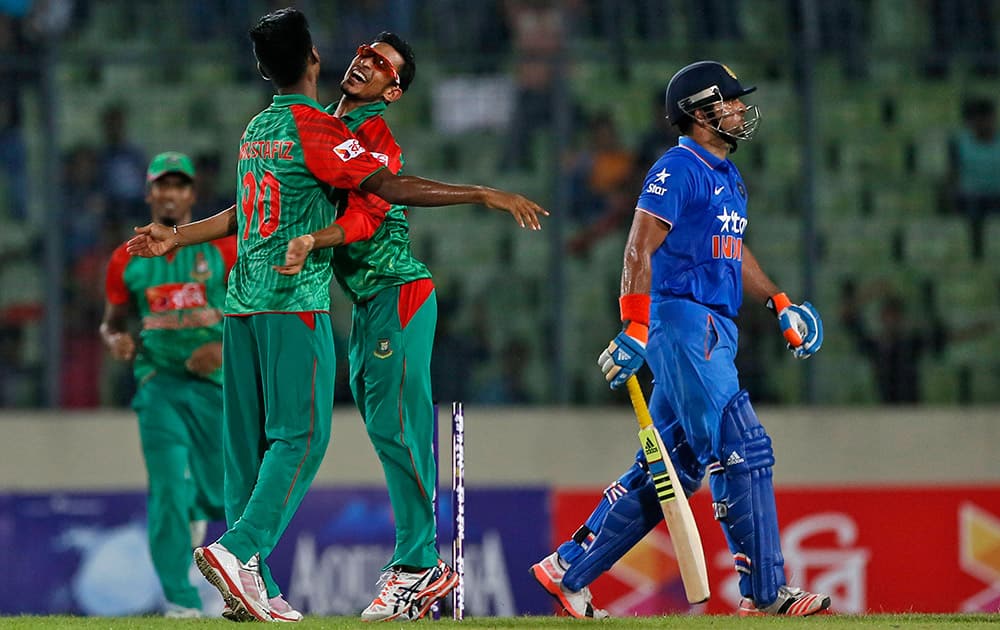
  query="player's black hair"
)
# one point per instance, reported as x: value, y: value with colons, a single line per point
x: 409, y: 69
x: 282, y: 44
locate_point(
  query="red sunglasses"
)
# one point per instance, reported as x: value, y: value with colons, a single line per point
x: 380, y: 61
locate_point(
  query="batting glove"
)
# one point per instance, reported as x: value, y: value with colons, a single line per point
x: 800, y: 324
x: 624, y: 356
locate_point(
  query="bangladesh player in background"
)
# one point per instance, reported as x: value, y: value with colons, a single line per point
x: 279, y: 363
x: 177, y: 364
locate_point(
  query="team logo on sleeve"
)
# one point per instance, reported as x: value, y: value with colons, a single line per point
x: 656, y: 186
x: 741, y: 189
x: 383, y: 350
x: 381, y: 157
x: 348, y: 149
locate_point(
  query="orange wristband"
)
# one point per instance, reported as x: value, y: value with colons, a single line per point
x: 778, y: 302
x: 635, y: 308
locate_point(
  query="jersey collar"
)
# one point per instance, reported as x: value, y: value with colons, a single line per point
x: 287, y: 100
x: 706, y: 157
x: 356, y: 116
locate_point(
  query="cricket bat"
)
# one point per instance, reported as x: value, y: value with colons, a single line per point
x: 676, y: 510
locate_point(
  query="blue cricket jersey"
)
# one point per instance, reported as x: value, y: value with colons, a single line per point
x: 704, y: 201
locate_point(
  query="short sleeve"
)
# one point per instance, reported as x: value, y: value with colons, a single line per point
x: 114, y: 283
x: 332, y: 154
x: 666, y: 189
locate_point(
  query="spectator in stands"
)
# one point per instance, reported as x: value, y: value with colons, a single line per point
x: 538, y: 34
x: 968, y: 26
x: 660, y: 135
x: 842, y: 30
x: 897, y: 347
x: 460, y: 26
x: 974, y: 162
x: 207, y: 188
x: 85, y: 203
x: 603, y: 177
x: 14, y: 76
x: 123, y: 166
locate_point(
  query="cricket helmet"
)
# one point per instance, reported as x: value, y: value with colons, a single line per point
x: 701, y: 85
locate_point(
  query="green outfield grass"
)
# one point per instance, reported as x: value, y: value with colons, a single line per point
x: 890, y: 622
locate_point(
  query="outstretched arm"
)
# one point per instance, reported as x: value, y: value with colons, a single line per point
x: 414, y: 191
x: 156, y: 240
x: 408, y: 190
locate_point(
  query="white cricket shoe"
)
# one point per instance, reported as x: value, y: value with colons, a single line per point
x: 283, y: 611
x: 240, y: 584
x: 406, y: 596
x: 791, y: 602
x: 549, y: 573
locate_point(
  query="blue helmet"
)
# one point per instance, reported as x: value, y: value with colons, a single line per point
x: 702, y: 84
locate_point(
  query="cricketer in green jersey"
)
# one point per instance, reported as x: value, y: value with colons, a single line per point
x: 178, y: 301
x: 392, y: 328
x: 278, y: 343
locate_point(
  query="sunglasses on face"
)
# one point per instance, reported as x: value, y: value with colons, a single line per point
x: 381, y: 63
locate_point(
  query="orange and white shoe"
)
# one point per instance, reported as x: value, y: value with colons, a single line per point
x: 791, y: 602
x: 549, y: 573
x: 407, y: 596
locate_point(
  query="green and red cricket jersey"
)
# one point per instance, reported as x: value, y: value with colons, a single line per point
x: 293, y: 156
x: 179, y: 299
x: 385, y: 259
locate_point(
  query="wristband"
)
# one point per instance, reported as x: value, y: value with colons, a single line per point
x: 635, y: 308
x: 777, y: 303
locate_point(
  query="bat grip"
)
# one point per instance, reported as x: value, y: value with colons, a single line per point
x: 638, y: 402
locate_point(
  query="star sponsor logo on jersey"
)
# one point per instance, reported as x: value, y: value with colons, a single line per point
x: 731, y: 221
x: 656, y: 187
x: 348, y: 149
x: 729, y: 246
x: 383, y: 349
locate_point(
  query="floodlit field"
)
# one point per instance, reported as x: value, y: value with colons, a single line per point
x: 890, y: 622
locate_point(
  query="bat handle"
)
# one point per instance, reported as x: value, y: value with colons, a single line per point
x: 638, y: 402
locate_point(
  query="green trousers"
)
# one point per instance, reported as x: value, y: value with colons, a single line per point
x: 180, y: 427
x: 390, y: 355
x: 278, y: 371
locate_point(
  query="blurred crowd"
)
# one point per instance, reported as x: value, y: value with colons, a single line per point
x: 102, y: 186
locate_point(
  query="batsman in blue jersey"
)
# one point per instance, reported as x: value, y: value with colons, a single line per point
x: 685, y: 273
